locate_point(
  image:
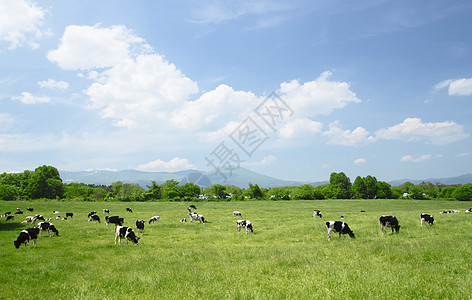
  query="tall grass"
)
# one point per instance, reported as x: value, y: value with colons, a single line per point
x: 288, y: 257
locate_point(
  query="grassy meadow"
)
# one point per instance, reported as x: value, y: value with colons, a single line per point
x: 288, y: 257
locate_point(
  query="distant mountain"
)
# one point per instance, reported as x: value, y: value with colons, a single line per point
x: 240, y: 177
x: 463, y: 179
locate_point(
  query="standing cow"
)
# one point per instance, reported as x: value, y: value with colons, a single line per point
x: 317, y: 213
x: 426, y: 218
x: 125, y: 233
x: 389, y: 221
x: 338, y: 226
x: 246, y: 224
x: 27, y: 235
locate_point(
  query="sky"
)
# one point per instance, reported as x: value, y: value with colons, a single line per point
x: 291, y: 89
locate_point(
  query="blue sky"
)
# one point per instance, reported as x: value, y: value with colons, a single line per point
x: 294, y: 90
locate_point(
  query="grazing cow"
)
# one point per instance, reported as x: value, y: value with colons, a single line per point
x: 114, y: 220
x: 39, y: 217
x: 426, y: 218
x: 246, y: 224
x: 153, y: 219
x: 29, y: 209
x: 59, y: 217
x: 27, y: 235
x: 469, y: 210
x: 189, y: 208
x: 445, y: 212
x: 29, y: 219
x: 342, y: 217
x: 10, y: 218
x: 46, y: 226
x: 389, y: 221
x: 340, y: 227
x: 126, y: 233
x: 55, y: 212
x: 106, y: 210
x: 317, y: 213
x: 129, y: 209
x: 140, y: 226
x: 362, y: 210
x: 94, y: 218
x: 91, y: 214
x: 183, y: 220
x: 18, y: 212
x: 455, y: 211
x: 237, y: 213
x: 196, y: 216
x: 6, y: 214
x: 69, y: 215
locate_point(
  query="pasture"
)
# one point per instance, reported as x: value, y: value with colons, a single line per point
x: 288, y: 257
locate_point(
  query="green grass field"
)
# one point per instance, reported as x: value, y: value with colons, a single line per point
x: 288, y: 257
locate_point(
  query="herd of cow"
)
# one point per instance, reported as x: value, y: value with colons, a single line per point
x: 127, y: 233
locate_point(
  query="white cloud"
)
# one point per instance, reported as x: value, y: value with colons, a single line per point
x: 319, y: 97
x: 265, y: 161
x: 299, y: 127
x: 413, y: 129
x: 89, y: 47
x: 28, y: 98
x: 20, y: 22
x: 421, y: 158
x: 457, y: 87
x: 360, y: 161
x: 6, y: 122
x: 464, y: 154
x: 339, y: 136
x: 175, y: 164
x: 53, y: 84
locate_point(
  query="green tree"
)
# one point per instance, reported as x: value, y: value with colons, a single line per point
x: 9, y: 192
x: 154, y: 191
x: 305, y: 192
x: 255, y: 191
x: 190, y: 190
x: 416, y: 192
x: 446, y: 192
x: 45, y: 182
x: 340, y: 185
x: 359, y: 189
x: 384, y: 190
x: 371, y: 186
x: 463, y: 192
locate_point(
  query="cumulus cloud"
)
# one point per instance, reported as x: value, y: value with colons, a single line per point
x: 175, y: 164
x: 360, y: 161
x: 413, y: 129
x: 417, y: 159
x: 318, y: 97
x: 53, y: 84
x: 456, y: 87
x: 20, y: 22
x: 265, y: 161
x: 338, y: 136
x: 28, y: 98
x: 89, y: 47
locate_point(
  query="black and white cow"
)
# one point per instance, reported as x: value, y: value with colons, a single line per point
x: 389, y: 221
x: 114, y: 220
x: 338, y: 226
x: 10, y: 218
x: 91, y: 214
x: 246, y: 224
x: 39, y: 217
x: 153, y: 219
x: 94, y: 218
x: 317, y: 213
x: 106, y: 210
x: 46, y: 226
x: 426, y: 218
x: 190, y: 207
x: 55, y: 212
x: 140, y: 226
x: 6, y: 214
x: 69, y: 215
x: 18, y: 212
x: 237, y: 213
x: 196, y: 216
x: 29, y: 209
x: 183, y: 220
x: 27, y: 235
x: 445, y: 212
x: 125, y: 233
x: 469, y: 210
x: 129, y: 209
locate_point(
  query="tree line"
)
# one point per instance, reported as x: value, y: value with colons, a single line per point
x: 45, y: 183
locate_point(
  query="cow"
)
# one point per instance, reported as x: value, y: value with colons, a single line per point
x: 114, y: 220
x: 183, y: 220
x: 469, y: 210
x: 125, y: 233
x: 69, y: 215
x: 55, y: 212
x: 129, y: 209
x: 91, y: 214
x: 18, y: 212
x: 246, y: 224
x: 445, y: 212
x: 10, y: 218
x: 317, y: 213
x: 29, y: 219
x: 6, y: 214
x: 196, y: 216
x: 338, y: 226
x: 140, y: 226
x: 237, y: 213
x: 46, y: 226
x: 27, y: 235
x: 30, y: 209
x: 389, y: 221
x: 426, y: 218
x: 106, y: 210
x: 94, y: 218
x: 39, y: 217
x: 153, y: 219
x: 189, y: 208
